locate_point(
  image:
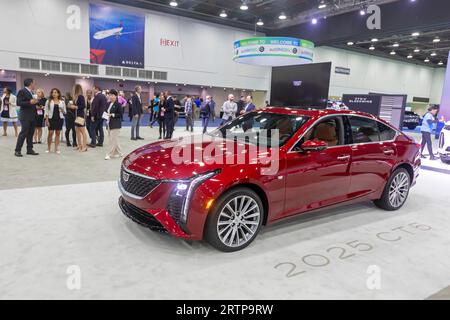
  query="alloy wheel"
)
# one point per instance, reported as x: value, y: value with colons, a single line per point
x: 238, y: 221
x: 398, y: 191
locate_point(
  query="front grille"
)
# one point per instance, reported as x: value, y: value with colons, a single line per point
x: 137, y: 185
x: 140, y: 216
x: 174, y: 206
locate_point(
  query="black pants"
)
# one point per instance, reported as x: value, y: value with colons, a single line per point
x: 169, y: 127
x: 97, y: 128
x: 26, y: 133
x: 162, y: 127
x: 426, y: 141
x: 70, y: 126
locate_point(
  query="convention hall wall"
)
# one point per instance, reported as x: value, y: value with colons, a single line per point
x: 198, y: 52
x: 374, y: 74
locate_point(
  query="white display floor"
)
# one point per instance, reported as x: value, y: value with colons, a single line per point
x: 353, y: 252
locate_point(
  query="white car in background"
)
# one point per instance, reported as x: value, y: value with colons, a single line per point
x: 444, y: 143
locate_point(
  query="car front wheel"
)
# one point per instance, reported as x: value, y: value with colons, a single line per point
x: 235, y: 220
x: 396, y: 191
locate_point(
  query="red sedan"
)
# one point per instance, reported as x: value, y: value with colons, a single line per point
x: 265, y: 166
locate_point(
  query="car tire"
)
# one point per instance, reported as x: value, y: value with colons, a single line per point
x: 396, y: 191
x: 226, y: 229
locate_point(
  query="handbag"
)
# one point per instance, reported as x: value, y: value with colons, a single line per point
x: 80, y: 121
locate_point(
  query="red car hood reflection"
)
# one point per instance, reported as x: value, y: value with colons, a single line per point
x: 165, y: 160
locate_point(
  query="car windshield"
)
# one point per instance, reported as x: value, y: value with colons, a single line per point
x: 262, y: 128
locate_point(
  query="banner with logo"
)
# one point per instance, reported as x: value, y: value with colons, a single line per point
x: 273, y: 51
x: 117, y: 37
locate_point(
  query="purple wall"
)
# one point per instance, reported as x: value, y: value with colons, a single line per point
x: 445, y: 101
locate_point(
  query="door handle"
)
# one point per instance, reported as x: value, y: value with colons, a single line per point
x: 344, y: 157
x: 388, y: 152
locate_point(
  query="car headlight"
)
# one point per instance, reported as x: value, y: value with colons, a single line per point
x: 182, y: 194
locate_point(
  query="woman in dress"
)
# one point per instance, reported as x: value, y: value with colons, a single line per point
x: 115, y: 113
x: 55, y: 109
x: 70, y: 120
x: 79, y: 102
x: 161, y: 116
x: 40, y: 110
x: 8, y: 109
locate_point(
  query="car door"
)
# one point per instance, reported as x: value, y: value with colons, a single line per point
x: 373, y: 154
x: 318, y: 178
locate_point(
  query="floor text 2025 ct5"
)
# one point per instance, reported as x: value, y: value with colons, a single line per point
x: 324, y: 158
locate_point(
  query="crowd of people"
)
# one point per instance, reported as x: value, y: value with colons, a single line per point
x: 84, y: 114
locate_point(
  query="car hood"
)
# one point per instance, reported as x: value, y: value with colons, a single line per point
x: 188, y: 156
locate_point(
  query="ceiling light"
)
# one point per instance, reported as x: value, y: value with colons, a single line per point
x: 393, y: 53
x: 314, y: 21
x: 223, y: 14
x: 260, y: 22
x: 350, y: 43
x: 436, y: 40
x: 322, y: 5
x: 173, y: 4
x: 426, y: 60
x: 416, y: 50
x: 282, y: 16
x: 441, y: 63
x: 396, y: 45
x: 362, y: 12
x: 371, y: 48
x: 244, y: 6
x: 374, y: 40
x: 415, y: 34
x: 433, y: 54
x: 410, y: 56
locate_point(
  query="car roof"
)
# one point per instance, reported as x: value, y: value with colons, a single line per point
x: 314, y: 112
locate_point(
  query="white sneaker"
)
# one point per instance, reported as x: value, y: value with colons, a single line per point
x: 58, y: 152
x: 107, y: 158
x: 47, y: 151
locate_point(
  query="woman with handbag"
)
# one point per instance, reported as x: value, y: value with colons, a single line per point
x: 79, y: 103
x: 55, y: 109
x: 40, y: 121
x: 115, y: 113
x: 8, y: 110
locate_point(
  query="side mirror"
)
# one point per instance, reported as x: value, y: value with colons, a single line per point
x: 314, y: 145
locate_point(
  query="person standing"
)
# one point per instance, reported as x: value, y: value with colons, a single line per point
x: 229, y: 109
x: 427, y: 128
x: 98, y: 107
x: 189, y: 110
x: 8, y: 107
x: 136, y: 107
x: 27, y: 117
x: 80, y: 117
x: 55, y: 110
x: 240, y: 106
x: 161, y: 116
x: 115, y: 114
x: 40, y: 120
x: 169, y: 115
x: 249, y: 107
x: 212, y: 107
x: 89, y: 98
x: 70, y: 120
x: 155, y: 108
x: 205, y: 113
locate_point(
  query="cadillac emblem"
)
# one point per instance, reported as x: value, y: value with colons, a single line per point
x: 125, y: 176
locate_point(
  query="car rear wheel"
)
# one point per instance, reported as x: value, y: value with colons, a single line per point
x: 235, y: 220
x: 396, y: 191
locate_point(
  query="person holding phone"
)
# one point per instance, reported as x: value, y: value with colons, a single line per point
x: 55, y: 110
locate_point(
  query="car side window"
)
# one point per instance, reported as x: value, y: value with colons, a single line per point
x: 329, y: 130
x: 386, y: 133
x: 364, y: 130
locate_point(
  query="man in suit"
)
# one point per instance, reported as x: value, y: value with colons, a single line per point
x: 240, y: 106
x: 169, y: 116
x: 98, y: 106
x: 249, y: 107
x: 27, y: 117
x: 136, y: 109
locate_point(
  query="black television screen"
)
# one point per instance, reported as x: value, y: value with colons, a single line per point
x: 301, y: 86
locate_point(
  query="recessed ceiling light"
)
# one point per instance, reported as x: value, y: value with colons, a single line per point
x: 350, y: 43
x: 282, y: 16
x: 322, y: 5
x: 415, y: 34
x: 173, y: 4
x: 374, y: 40
x: 436, y: 40
x: 223, y: 14
x: 314, y: 21
x: 416, y: 50
x: 244, y: 6
x: 426, y: 60
x: 396, y: 45
x: 362, y: 12
x: 410, y: 56
x: 393, y: 53
x: 371, y: 48
x: 433, y: 54
x: 260, y: 22
x: 441, y: 63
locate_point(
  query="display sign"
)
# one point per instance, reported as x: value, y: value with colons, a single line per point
x: 117, y: 37
x: 273, y: 51
x: 342, y: 70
